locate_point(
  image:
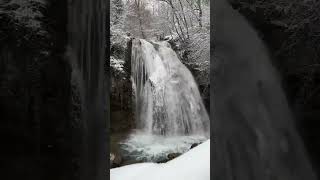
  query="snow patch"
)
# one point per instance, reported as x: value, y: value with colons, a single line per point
x: 117, y: 64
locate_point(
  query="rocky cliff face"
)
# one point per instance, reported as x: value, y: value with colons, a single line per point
x: 121, y: 101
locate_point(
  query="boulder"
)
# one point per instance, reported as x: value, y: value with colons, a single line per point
x: 194, y: 145
x: 115, y: 160
x: 173, y: 155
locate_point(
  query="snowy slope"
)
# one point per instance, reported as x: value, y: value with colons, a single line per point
x: 193, y: 165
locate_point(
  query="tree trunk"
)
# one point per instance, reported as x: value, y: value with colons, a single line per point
x: 200, y: 13
x: 141, y: 28
x: 184, y: 19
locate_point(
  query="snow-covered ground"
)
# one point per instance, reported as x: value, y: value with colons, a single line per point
x: 193, y: 165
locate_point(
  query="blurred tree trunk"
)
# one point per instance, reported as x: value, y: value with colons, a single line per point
x: 200, y: 13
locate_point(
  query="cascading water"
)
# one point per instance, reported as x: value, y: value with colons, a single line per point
x: 168, y: 101
x: 170, y: 114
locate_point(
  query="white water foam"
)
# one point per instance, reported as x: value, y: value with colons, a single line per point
x: 142, y: 147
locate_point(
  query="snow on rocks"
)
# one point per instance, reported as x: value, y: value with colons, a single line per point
x: 117, y: 64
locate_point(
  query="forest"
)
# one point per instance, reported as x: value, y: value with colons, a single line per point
x: 185, y: 24
x: 174, y: 126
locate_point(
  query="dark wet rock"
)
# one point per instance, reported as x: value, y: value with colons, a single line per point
x: 115, y: 160
x: 173, y: 155
x: 169, y: 157
x: 163, y: 161
x: 194, y: 145
x: 122, y: 115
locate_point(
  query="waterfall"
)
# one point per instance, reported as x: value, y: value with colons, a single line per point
x: 167, y: 98
x: 170, y: 114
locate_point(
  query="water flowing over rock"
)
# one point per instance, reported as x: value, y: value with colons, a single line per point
x: 167, y: 98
